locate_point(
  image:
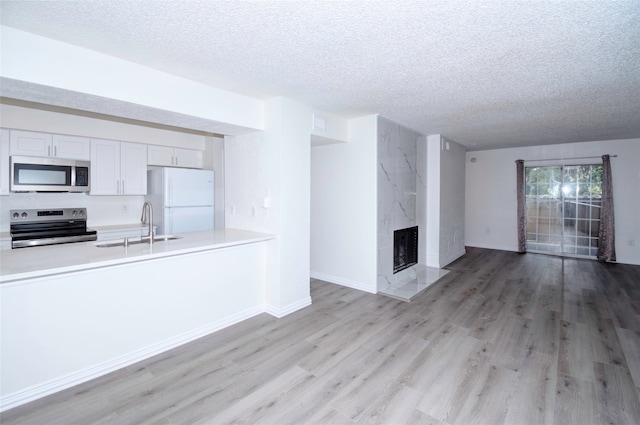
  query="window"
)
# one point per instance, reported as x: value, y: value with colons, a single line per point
x: 563, y: 209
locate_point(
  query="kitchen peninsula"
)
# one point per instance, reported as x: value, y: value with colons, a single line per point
x: 73, y: 312
x: 20, y: 264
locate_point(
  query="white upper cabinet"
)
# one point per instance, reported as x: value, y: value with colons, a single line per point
x: 105, y: 167
x: 32, y: 143
x: 118, y: 168
x: 4, y: 162
x: 73, y: 147
x: 160, y: 155
x: 174, y: 157
x: 188, y: 158
x: 133, y: 168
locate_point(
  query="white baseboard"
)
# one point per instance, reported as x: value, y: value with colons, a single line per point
x: 41, y: 390
x: 279, y: 312
x: 344, y: 282
x: 489, y: 246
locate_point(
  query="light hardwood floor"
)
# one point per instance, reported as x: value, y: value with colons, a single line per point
x: 502, y: 339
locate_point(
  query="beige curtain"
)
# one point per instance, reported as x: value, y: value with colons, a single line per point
x: 606, y: 235
x: 520, y: 197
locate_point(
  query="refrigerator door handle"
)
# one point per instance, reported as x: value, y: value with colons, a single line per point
x: 171, y: 191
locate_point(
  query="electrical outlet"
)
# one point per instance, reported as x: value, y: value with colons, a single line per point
x: 631, y: 242
x: 124, y: 208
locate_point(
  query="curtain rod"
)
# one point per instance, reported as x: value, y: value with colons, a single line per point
x: 564, y: 159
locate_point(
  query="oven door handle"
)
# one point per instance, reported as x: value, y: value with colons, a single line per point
x: 52, y: 241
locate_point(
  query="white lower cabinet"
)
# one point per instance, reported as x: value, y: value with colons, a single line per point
x: 118, y: 168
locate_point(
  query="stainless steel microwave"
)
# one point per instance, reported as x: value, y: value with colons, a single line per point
x: 43, y: 174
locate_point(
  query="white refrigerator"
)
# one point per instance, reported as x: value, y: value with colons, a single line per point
x: 182, y: 199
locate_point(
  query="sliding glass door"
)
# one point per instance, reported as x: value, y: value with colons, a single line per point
x: 563, y: 209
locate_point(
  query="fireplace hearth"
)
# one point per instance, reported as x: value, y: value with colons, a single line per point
x: 405, y: 248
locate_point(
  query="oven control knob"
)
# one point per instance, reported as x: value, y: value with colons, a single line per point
x: 74, y: 213
x: 81, y: 212
x: 16, y: 215
x: 24, y: 215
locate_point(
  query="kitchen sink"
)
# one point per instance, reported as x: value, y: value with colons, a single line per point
x: 160, y: 238
x: 136, y: 241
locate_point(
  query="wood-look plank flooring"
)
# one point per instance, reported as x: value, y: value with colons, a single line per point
x: 502, y: 339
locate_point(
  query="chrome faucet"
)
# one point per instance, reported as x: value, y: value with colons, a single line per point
x: 147, y: 214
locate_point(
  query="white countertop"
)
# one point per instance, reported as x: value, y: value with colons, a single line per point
x: 26, y: 263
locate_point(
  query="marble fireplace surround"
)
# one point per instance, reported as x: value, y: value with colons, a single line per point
x: 402, y: 190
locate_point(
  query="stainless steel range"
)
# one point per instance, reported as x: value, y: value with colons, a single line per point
x: 49, y: 227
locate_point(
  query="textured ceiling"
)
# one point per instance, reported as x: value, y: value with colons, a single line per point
x: 487, y: 74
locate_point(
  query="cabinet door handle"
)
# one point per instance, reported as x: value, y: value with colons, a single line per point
x: 48, y: 150
x: 123, y: 187
x: 55, y: 151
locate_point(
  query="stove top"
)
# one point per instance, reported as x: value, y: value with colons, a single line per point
x: 31, y: 227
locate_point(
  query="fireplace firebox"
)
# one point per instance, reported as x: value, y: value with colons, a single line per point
x: 405, y: 248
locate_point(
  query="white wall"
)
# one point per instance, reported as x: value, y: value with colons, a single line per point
x: 267, y: 187
x: 327, y: 128
x: 39, y: 60
x: 344, y: 208
x: 490, y: 210
x: 434, y: 142
x: 214, y: 160
x: 24, y: 118
x: 421, y: 198
x: 452, y: 200
x: 289, y: 289
x: 445, y: 201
